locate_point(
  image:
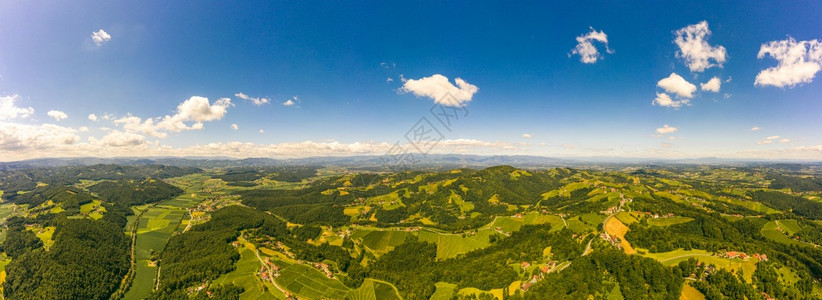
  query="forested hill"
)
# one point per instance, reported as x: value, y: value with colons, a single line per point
x: 315, y: 232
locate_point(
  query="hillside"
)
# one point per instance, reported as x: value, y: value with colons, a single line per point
x: 312, y: 232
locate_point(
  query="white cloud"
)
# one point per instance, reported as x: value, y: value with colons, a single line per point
x: 665, y: 129
x: 291, y: 102
x: 99, y: 37
x: 695, y: 50
x: 712, y: 85
x: 389, y: 79
x: 772, y: 139
x: 588, y: 53
x: 117, y: 138
x: 57, y: 115
x: 92, y: 117
x: 254, y: 100
x: 526, y: 135
x: 798, y: 62
x: 83, y: 129
x: 196, y: 109
x: 677, y: 85
x: 10, y: 111
x: 662, y: 99
x: 21, y: 137
x: 438, y: 87
x: 262, y: 131
x: 755, y: 128
x: 235, y: 127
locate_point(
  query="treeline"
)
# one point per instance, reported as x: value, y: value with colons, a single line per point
x: 87, y: 261
x: 70, y: 198
x: 135, y: 192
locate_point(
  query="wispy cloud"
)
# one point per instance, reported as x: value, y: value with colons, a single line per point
x: 585, y: 48
x: 695, y: 50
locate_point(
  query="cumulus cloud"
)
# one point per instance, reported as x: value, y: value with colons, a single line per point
x: 21, y: 137
x: 196, y: 109
x: 662, y: 99
x: 585, y: 48
x: 798, y: 62
x: 83, y: 129
x: 677, y: 85
x: 117, y: 138
x: 292, y: 101
x: 438, y: 87
x: 755, y: 128
x: 235, y: 127
x: 57, y: 115
x: 92, y: 117
x: 712, y: 85
x: 665, y: 129
x: 8, y: 110
x: 695, y: 50
x: 254, y: 100
x: 526, y: 135
x: 99, y: 37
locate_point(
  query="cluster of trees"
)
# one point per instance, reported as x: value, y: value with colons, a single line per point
x: 412, y: 266
x: 87, y: 261
x: 70, y: 198
x: 600, y: 272
x: 245, y: 176
x: 134, y: 192
x: 203, y: 253
x: 795, y: 183
x: 796, y: 204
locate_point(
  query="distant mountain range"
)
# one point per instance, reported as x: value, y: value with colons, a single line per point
x: 382, y: 163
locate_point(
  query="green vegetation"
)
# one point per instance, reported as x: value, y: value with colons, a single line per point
x: 500, y: 232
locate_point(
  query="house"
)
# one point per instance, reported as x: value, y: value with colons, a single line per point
x: 525, y: 264
x: 544, y: 269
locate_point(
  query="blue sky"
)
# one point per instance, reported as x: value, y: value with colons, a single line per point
x: 360, y: 75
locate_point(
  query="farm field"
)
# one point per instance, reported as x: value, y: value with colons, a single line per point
x: 310, y: 283
x: 451, y: 245
x: 615, y: 228
x: 374, y: 290
x: 690, y: 293
x: 668, y: 221
x: 143, y: 282
x: 444, y: 291
x: 246, y: 276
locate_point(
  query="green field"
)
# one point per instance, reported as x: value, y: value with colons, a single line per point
x: 668, y: 221
x: 374, y: 290
x: 380, y: 241
x: 307, y: 282
x: 451, y: 245
x: 444, y: 291
x: 141, y: 286
x: 626, y: 218
x: 245, y: 276
x: 155, y: 228
x: 770, y: 231
x: 510, y: 224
